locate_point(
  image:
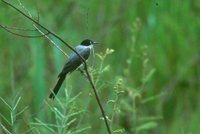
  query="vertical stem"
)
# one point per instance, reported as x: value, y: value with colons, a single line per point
x: 98, y: 100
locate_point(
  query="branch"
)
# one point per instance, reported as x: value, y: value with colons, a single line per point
x: 21, y: 35
x: 43, y: 27
x: 40, y: 31
x: 17, y: 28
x: 71, y: 48
x: 52, y: 42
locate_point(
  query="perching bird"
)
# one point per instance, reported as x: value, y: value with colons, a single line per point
x: 73, y: 63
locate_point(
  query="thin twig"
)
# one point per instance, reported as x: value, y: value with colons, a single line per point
x: 21, y: 35
x: 18, y: 29
x: 82, y: 59
x: 40, y: 31
x: 5, y: 129
x: 53, y: 43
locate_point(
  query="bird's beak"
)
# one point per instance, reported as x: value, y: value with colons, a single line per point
x: 95, y: 42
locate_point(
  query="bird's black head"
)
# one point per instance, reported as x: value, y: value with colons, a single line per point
x: 88, y: 42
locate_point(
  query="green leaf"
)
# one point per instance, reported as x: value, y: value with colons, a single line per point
x: 147, y: 126
x: 149, y: 75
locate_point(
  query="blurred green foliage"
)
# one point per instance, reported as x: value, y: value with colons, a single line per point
x: 150, y: 83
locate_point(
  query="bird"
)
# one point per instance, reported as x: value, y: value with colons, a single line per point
x: 74, y: 62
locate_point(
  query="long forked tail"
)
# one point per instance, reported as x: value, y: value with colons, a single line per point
x: 57, y: 87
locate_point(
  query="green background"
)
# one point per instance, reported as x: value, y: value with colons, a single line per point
x: 149, y: 84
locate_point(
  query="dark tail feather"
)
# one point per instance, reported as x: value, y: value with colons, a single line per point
x: 57, y: 87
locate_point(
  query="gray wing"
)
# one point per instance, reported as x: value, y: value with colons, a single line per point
x: 74, y: 60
